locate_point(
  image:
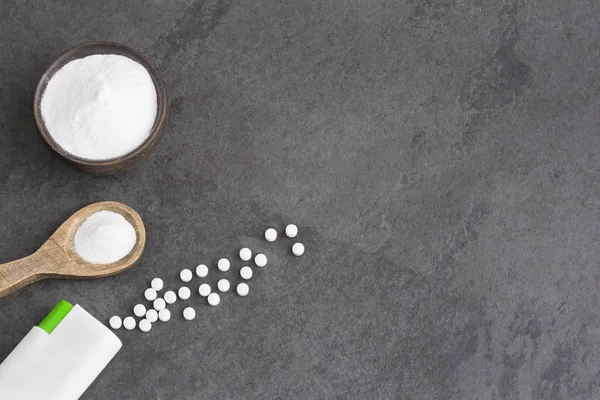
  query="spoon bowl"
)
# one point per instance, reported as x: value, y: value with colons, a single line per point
x: 57, y: 257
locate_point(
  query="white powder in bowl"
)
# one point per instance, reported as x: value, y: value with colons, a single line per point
x: 104, y: 237
x: 100, y: 107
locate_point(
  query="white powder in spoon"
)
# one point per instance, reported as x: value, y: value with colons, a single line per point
x: 100, y: 107
x: 104, y: 237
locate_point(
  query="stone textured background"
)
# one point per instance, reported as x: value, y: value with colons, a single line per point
x: 441, y: 158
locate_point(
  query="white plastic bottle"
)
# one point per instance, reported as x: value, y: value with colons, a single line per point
x: 60, y: 358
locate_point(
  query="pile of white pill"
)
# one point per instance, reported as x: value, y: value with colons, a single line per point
x: 159, y: 303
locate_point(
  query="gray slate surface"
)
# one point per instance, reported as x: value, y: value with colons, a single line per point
x: 441, y: 158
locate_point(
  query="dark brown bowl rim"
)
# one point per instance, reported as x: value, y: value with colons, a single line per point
x: 155, y: 132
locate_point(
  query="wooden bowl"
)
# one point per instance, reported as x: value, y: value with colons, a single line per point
x: 118, y: 164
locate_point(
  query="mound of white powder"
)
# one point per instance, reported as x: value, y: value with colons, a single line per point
x: 100, y: 107
x: 104, y: 237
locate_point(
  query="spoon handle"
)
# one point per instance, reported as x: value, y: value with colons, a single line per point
x: 17, y: 274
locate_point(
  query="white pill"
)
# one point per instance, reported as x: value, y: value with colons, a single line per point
x: 145, y: 325
x: 185, y: 275
x: 115, y: 322
x: 139, y: 310
x: 201, y: 270
x: 129, y: 323
x: 246, y: 272
x: 260, y: 260
x: 159, y: 304
x: 170, y: 297
x: 184, y: 293
x: 298, y: 249
x: 164, y: 315
x: 189, y: 313
x: 214, y: 299
x: 152, y: 315
x: 204, y: 290
x: 157, y: 284
x: 150, y: 294
x: 223, y: 264
x: 242, y: 289
x: 223, y: 285
x: 271, y: 235
x: 245, y: 254
x: 291, y: 230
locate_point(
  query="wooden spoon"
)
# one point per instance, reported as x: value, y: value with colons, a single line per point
x: 57, y: 257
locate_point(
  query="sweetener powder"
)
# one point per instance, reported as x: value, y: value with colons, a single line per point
x: 104, y: 237
x: 100, y: 107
